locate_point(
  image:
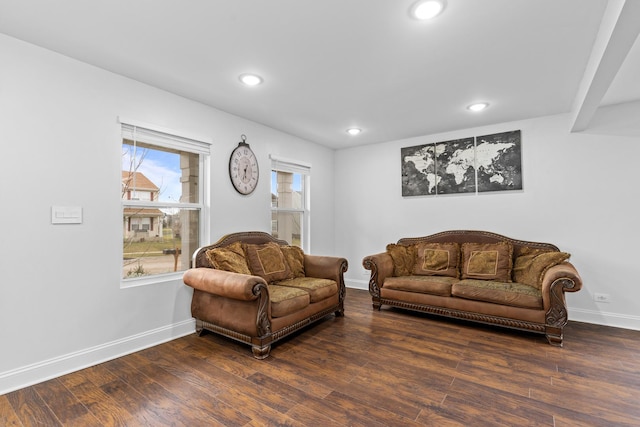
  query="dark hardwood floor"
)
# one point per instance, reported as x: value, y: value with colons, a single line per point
x: 369, y: 368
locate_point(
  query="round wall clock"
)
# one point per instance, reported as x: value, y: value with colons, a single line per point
x: 243, y: 168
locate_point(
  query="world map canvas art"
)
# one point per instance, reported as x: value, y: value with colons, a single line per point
x: 467, y: 165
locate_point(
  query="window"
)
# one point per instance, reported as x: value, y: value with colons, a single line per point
x: 290, y: 201
x: 164, y: 188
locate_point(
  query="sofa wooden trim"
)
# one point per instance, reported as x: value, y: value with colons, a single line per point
x: 557, y: 280
x: 246, y: 297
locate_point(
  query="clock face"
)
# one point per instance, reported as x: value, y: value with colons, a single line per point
x: 243, y: 169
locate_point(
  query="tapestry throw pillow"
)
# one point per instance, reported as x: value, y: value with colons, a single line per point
x: 403, y: 258
x: 229, y: 258
x: 267, y: 261
x: 295, y: 258
x: 437, y: 259
x: 530, y: 269
x: 487, y: 261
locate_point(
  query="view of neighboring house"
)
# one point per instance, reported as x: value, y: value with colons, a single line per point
x: 140, y: 223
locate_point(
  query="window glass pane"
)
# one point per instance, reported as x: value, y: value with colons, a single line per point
x: 287, y: 226
x: 158, y: 241
x: 158, y: 237
x: 153, y: 173
x: 287, y: 190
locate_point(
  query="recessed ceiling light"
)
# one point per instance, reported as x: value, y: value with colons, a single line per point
x: 479, y: 106
x: 353, y: 131
x: 250, y: 79
x: 427, y: 9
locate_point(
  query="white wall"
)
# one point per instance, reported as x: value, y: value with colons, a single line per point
x: 580, y: 193
x: 61, y: 304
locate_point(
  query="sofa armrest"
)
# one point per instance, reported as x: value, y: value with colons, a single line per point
x: 223, y: 283
x: 381, y: 266
x: 325, y: 267
x: 566, y: 271
x: 556, y: 281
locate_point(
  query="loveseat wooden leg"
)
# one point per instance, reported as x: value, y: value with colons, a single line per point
x: 199, y: 328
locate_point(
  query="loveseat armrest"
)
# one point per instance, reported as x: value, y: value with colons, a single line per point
x: 223, y: 283
x: 381, y: 266
x: 325, y: 267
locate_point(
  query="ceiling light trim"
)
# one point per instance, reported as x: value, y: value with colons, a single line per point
x: 250, y: 79
x: 425, y: 10
x: 476, y: 107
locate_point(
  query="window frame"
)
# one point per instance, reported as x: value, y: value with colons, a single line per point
x: 176, y: 140
x: 296, y: 167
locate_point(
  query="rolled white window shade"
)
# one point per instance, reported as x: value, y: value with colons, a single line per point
x: 164, y: 138
x: 287, y: 165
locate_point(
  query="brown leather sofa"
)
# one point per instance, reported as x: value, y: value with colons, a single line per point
x: 479, y: 276
x: 256, y: 289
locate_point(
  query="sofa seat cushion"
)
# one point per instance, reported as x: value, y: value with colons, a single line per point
x: 318, y: 289
x: 286, y: 300
x: 513, y: 294
x: 434, y: 285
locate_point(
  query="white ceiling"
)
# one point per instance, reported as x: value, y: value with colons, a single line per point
x: 332, y: 64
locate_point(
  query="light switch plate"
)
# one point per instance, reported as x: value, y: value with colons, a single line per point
x: 66, y: 215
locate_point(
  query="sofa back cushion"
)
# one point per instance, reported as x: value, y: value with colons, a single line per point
x: 437, y: 259
x: 267, y: 261
x: 403, y: 257
x: 487, y: 261
x: 295, y: 258
x: 530, y: 266
x: 229, y: 258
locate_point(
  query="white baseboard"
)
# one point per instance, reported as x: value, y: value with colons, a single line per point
x: 357, y: 284
x: 604, y: 318
x: 58, y: 366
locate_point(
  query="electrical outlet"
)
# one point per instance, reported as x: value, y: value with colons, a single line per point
x: 601, y: 297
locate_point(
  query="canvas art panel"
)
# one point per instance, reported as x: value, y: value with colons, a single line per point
x: 468, y: 165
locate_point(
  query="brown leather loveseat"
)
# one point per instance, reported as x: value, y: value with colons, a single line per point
x: 478, y: 276
x: 256, y: 289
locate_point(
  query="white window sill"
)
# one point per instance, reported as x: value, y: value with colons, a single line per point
x: 151, y: 280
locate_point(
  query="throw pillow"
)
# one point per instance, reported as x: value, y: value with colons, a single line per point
x: 403, y: 258
x: 530, y: 269
x: 295, y: 258
x: 229, y: 258
x: 487, y: 261
x: 267, y: 261
x: 437, y: 259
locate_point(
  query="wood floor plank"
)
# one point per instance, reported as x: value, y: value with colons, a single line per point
x: 506, y: 408
x: 106, y: 410
x: 167, y: 406
x: 8, y: 416
x: 64, y: 404
x: 369, y: 368
x: 197, y: 394
x: 31, y: 409
x: 308, y: 417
